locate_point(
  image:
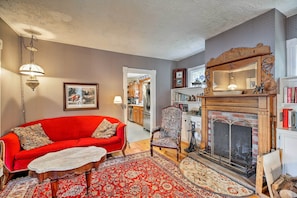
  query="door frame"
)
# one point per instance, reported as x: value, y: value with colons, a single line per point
x: 1, y: 47
x: 152, y: 74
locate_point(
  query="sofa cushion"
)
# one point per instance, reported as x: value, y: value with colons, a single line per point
x: 105, y: 129
x: 32, y: 136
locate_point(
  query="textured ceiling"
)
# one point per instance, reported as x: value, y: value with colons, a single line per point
x: 166, y: 29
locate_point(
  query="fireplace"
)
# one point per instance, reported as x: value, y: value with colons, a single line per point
x: 238, y: 122
x: 232, y: 141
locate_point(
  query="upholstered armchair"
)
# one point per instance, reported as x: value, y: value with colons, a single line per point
x: 168, y: 135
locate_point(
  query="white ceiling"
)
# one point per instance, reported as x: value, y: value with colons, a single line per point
x: 166, y: 29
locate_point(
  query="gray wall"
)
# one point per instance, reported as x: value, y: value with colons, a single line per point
x: 67, y: 63
x: 291, y: 27
x: 192, y: 61
x: 268, y: 29
x: 11, y: 110
x: 258, y: 30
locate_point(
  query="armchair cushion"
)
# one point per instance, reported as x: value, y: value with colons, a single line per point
x: 32, y: 136
x: 165, y: 142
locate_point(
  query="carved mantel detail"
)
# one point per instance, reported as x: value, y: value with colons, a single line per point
x: 235, y: 54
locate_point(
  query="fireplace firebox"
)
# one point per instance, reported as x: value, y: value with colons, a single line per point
x: 230, y: 141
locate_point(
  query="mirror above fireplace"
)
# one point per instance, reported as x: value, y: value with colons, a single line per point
x: 241, y: 71
x: 234, y: 77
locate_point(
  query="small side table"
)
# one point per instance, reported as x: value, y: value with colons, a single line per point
x: 67, y: 162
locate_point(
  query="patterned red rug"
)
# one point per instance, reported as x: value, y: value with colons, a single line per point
x: 137, y: 175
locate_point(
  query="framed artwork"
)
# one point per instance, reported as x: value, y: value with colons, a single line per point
x: 251, y: 83
x: 81, y: 96
x: 179, y: 78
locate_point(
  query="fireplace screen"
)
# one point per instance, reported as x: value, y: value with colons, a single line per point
x: 232, y: 143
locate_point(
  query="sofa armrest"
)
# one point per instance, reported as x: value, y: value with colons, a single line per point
x: 10, y: 145
x: 120, y: 132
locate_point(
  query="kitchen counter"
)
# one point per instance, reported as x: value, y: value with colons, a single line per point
x: 135, y: 113
x: 135, y: 105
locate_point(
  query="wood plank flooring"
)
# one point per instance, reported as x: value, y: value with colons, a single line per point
x: 144, y: 145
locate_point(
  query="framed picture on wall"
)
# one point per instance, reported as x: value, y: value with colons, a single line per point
x: 179, y: 78
x: 81, y: 96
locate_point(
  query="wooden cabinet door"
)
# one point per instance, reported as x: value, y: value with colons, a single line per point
x: 136, y: 89
x: 135, y: 114
x: 141, y: 116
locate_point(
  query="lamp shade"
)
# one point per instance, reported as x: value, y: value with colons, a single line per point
x: 117, y: 100
x: 31, y: 69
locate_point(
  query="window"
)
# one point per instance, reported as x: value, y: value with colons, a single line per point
x: 291, y: 57
x: 196, y: 76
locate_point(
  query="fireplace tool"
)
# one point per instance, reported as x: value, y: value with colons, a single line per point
x: 192, y: 146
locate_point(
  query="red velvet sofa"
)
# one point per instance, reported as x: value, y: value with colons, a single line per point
x: 65, y: 132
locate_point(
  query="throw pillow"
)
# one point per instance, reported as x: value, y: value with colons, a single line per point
x: 32, y: 136
x: 105, y: 129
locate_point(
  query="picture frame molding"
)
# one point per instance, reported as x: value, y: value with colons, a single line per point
x: 79, y: 100
x: 179, y: 78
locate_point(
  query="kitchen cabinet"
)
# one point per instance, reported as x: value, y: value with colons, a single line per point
x: 133, y: 89
x: 138, y: 115
x: 141, y: 116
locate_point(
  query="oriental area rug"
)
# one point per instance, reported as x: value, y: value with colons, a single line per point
x: 137, y: 175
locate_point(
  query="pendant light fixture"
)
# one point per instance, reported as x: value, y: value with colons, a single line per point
x: 31, y: 68
x: 232, y: 83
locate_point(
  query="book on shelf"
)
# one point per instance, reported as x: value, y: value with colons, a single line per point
x: 289, y: 118
x: 290, y: 94
x: 295, y: 99
x: 181, y: 97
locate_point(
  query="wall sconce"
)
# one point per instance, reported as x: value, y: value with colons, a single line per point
x: 232, y: 83
x: 31, y: 69
x: 118, y: 100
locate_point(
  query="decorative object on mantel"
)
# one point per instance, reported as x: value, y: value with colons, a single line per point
x: 259, y: 89
x: 31, y: 68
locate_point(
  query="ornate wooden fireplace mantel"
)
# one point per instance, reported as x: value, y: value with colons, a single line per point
x: 253, y: 90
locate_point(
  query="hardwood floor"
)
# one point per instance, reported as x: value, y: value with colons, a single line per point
x: 144, y: 145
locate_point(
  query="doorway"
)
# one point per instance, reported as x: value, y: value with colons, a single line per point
x: 152, y: 74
